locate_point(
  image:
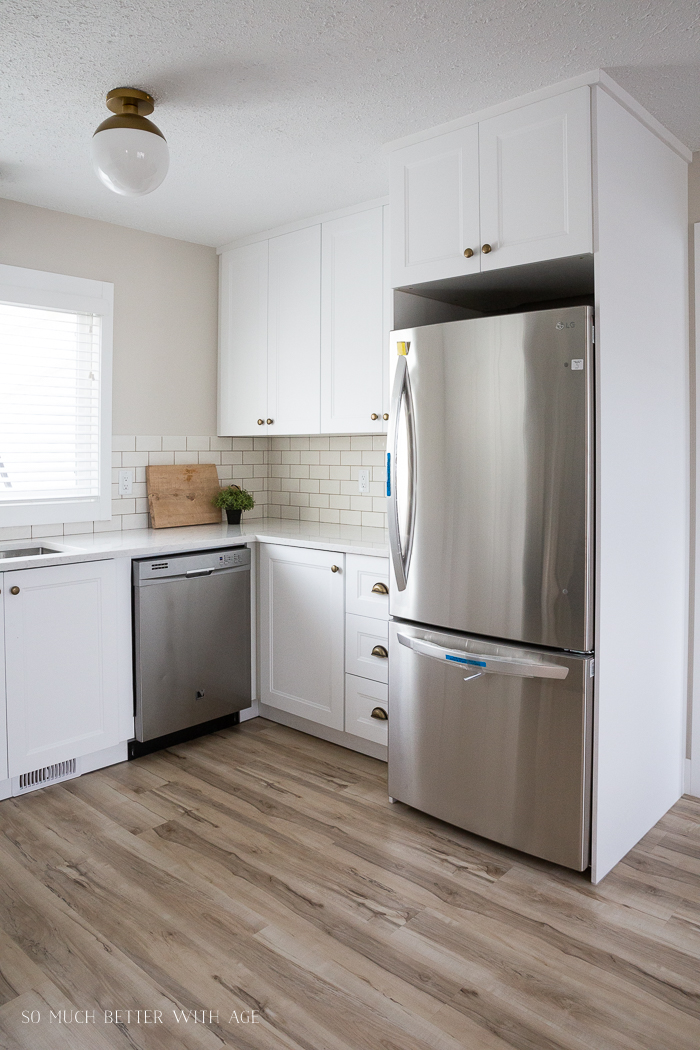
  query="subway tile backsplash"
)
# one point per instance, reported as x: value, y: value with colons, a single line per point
x: 299, y: 478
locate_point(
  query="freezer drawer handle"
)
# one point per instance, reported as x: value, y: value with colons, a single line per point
x: 485, y: 664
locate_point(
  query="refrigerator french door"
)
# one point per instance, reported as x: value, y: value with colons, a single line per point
x: 490, y: 486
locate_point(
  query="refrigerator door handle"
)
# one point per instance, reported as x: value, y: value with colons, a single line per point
x: 401, y: 402
x: 484, y: 663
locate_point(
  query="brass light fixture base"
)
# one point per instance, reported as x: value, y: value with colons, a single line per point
x: 130, y: 106
x: 130, y: 100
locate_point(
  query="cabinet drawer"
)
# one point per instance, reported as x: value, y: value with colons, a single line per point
x: 362, y: 636
x: 361, y: 698
x: 362, y: 574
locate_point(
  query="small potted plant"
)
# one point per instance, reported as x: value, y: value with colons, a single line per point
x: 233, y: 500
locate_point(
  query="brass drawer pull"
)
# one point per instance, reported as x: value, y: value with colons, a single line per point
x: 335, y: 568
x: 380, y: 713
x: 374, y: 416
x: 468, y: 252
x: 380, y: 588
x: 14, y: 590
x: 270, y: 421
x: 486, y: 248
x: 379, y: 650
x: 385, y: 416
x: 261, y: 422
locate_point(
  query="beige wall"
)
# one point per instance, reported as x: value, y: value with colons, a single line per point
x: 165, y: 311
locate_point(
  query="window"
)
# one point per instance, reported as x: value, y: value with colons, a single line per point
x: 55, y: 398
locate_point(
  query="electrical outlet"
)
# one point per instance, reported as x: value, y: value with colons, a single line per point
x: 363, y: 480
x: 126, y: 482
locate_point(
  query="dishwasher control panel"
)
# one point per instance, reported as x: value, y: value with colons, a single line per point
x: 239, y: 557
x: 191, y: 564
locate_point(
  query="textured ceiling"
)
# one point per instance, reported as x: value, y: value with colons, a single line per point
x: 276, y: 110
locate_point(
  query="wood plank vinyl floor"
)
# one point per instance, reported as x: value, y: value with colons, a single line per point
x: 259, y: 883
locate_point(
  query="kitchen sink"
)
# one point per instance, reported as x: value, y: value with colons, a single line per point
x: 28, y: 552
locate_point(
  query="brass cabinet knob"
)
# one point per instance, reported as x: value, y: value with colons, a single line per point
x: 374, y: 416
x: 14, y: 590
x: 380, y: 588
x: 385, y: 416
x: 335, y: 568
x: 486, y: 248
x: 261, y: 422
x: 380, y: 651
x: 380, y: 713
x: 270, y: 421
x: 468, y: 252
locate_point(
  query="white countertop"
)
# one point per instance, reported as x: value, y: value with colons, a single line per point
x: 139, y: 543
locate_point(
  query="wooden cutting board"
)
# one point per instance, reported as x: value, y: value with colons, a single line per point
x: 182, y: 495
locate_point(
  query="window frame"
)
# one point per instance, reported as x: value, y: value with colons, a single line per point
x: 56, y: 291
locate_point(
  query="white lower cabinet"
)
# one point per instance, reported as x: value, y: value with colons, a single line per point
x: 61, y: 653
x: 367, y: 648
x: 302, y: 612
x: 320, y: 661
x: 366, y: 708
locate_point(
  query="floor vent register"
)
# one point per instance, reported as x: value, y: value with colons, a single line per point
x: 47, y: 775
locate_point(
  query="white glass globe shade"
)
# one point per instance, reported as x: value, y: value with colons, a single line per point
x: 130, y: 161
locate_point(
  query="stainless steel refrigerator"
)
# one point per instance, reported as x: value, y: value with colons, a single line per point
x: 490, y: 486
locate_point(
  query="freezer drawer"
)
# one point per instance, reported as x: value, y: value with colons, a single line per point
x: 479, y: 745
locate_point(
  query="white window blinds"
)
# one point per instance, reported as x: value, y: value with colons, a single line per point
x: 49, y: 404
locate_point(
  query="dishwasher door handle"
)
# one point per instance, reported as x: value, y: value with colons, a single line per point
x: 199, y: 572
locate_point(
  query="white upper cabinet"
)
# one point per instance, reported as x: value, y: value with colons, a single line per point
x: 517, y: 185
x: 352, y: 324
x: 435, y: 208
x: 243, y: 340
x: 294, y: 333
x: 61, y: 642
x: 535, y: 177
x: 304, y: 319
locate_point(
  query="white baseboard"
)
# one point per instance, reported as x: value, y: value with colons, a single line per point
x: 334, y: 736
x: 108, y: 756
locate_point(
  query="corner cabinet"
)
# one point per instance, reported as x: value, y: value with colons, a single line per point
x: 512, y: 189
x: 303, y: 331
x: 323, y: 633
x: 302, y: 619
x: 61, y: 655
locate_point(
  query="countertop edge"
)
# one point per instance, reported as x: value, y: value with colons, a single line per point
x: 153, y: 542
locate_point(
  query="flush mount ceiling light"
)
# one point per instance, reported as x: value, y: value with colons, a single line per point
x: 129, y: 153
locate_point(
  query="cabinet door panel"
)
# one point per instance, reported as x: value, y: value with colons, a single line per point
x: 61, y: 656
x: 352, y: 324
x: 435, y: 185
x: 294, y: 333
x: 302, y: 632
x: 536, y: 181
x: 243, y: 340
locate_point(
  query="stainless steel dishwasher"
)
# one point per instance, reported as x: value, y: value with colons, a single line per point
x: 191, y: 645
